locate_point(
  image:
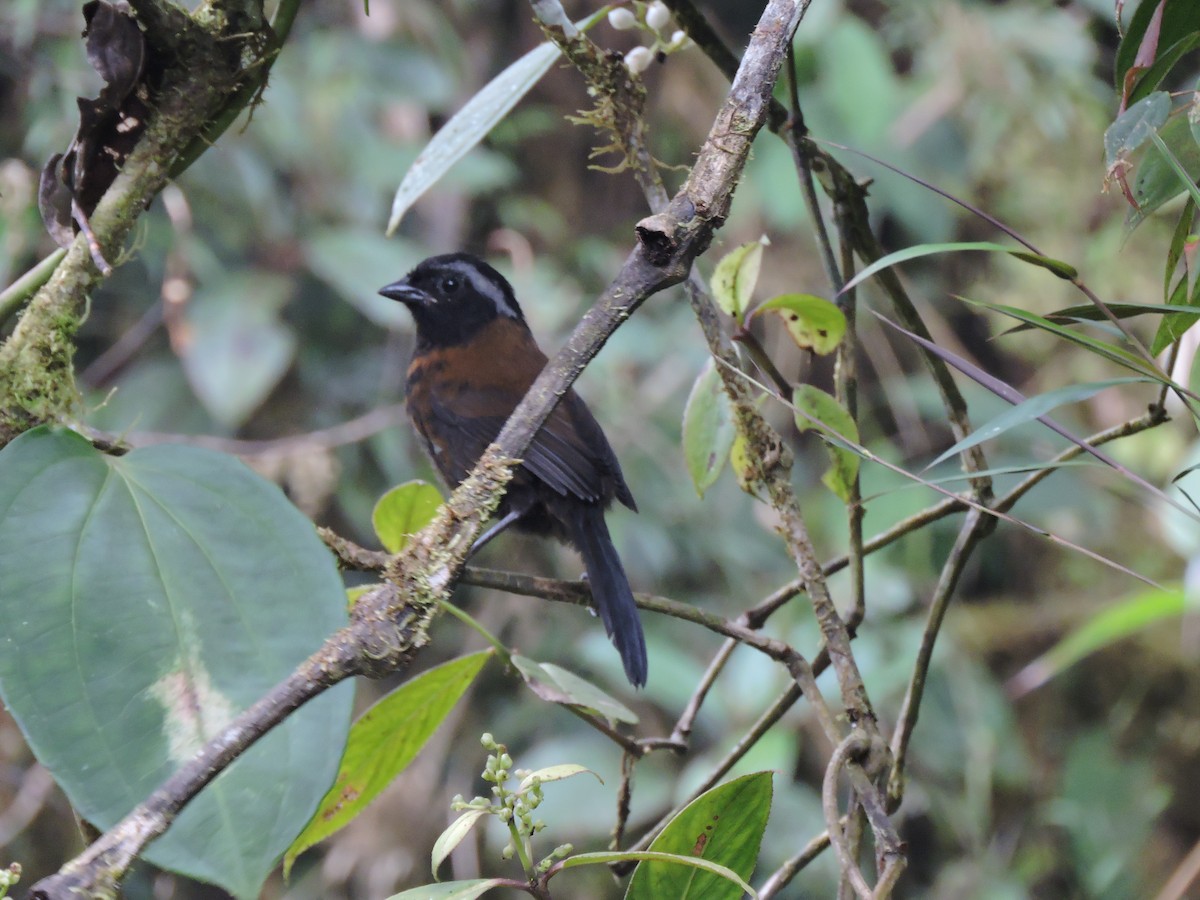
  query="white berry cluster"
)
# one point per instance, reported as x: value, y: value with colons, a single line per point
x: 653, y: 17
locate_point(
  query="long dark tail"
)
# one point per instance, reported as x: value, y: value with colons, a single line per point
x: 611, y: 591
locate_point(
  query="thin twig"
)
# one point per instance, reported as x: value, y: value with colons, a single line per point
x: 976, y: 526
x: 682, y: 732
x: 852, y: 745
x: 351, y: 431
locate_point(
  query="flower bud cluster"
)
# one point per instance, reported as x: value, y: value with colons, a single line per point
x: 653, y: 17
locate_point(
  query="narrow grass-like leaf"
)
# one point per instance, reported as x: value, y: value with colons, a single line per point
x: 1193, y: 116
x: 1107, y: 627
x: 1089, y: 312
x: 1111, y: 352
x: 384, y: 740
x: 724, y: 826
x: 1058, y: 267
x: 708, y: 429
x: 1012, y: 395
x: 471, y: 124
x: 813, y: 322
x: 817, y: 409
x: 1033, y: 409
x: 1004, y: 517
x: 403, y: 511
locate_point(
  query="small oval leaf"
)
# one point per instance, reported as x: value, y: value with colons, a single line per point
x: 708, y: 429
x: 813, y: 322
x: 403, y: 511
x: 555, y: 773
x: 736, y: 275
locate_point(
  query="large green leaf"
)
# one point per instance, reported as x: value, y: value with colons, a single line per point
x: 724, y: 826
x: 146, y: 600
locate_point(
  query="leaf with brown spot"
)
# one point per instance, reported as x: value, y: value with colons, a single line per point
x: 812, y: 322
x: 384, y: 740
x: 725, y: 826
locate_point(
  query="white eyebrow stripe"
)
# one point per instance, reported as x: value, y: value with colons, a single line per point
x: 485, y: 286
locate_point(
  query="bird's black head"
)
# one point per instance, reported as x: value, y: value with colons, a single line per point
x: 451, y: 297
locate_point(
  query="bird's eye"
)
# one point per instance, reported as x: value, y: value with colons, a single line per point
x: 450, y: 284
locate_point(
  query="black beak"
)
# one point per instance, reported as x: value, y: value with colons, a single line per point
x: 404, y: 292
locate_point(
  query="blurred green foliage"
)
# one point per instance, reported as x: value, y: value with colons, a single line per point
x: 249, y: 312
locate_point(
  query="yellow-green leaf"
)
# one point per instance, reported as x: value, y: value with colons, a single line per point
x: 736, y: 275
x: 813, y: 322
x: 383, y: 741
x: 817, y: 410
x: 403, y: 511
x: 742, y: 464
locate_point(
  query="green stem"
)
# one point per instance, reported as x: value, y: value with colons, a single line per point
x: 15, y: 295
x: 463, y: 616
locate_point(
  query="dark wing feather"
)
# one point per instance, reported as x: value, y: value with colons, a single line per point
x: 561, y: 455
